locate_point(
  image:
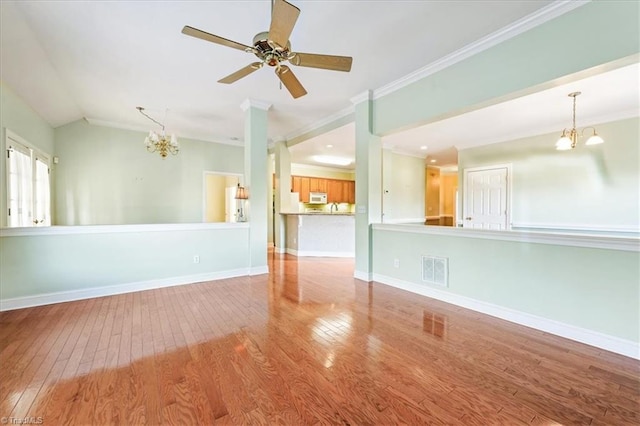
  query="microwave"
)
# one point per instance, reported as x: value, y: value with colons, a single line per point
x: 317, y: 198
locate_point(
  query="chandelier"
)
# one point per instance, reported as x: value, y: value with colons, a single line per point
x: 159, y: 142
x: 569, y: 138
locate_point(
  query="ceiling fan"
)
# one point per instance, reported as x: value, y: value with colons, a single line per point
x: 273, y: 47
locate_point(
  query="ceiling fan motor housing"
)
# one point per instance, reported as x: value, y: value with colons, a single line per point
x: 268, y: 51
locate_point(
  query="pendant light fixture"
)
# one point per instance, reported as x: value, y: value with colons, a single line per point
x: 569, y: 138
x: 160, y: 143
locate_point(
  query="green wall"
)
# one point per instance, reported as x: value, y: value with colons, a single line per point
x: 106, y: 176
x: 41, y: 264
x: 595, y: 289
x: 590, y: 186
x: 18, y: 117
x: 589, y: 36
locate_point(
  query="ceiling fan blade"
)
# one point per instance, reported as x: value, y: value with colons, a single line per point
x: 243, y: 72
x: 327, y: 62
x: 283, y: 19
x: 194, y: 32
x: 290, y: 81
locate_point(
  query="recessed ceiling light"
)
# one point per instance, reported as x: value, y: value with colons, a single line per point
x: 337, y: 161
x: 329, y: 146
x: 433, y: 160
x: 423, y: 147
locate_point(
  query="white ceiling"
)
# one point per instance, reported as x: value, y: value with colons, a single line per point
x: 101, y: 59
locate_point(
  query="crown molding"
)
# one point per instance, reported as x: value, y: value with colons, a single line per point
x: 367, y: 95
x: 254, y: 103
x: 520, y: 26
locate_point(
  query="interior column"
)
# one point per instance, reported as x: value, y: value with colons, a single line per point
x: 368, y: 184
x: 256, y: 178
x: 283, y: 193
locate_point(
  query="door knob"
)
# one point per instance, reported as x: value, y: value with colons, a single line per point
x: 468, y: 218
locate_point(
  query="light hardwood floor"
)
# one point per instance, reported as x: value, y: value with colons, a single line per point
x: 307, y: 344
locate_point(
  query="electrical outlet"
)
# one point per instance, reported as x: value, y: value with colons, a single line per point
x: 196, y: 259
x: 396, y: 263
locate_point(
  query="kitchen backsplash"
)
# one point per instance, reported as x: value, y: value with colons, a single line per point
x: 326, y: 208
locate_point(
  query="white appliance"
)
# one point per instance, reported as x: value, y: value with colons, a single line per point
x: 317, y: 198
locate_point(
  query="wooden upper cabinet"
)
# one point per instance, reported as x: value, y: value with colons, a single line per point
x: 338, y: 191
x: 335, y: 191
x: 317, y: 185
x: 300, y: 184
x: 350, y: 191
x: 295, y: 183
x: 304, y: 189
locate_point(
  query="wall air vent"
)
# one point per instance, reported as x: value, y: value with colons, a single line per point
x: 435, y: 270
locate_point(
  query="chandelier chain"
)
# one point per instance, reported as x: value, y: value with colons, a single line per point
x: 574, y: 112
x: 569, y: 138
x: 149, y: 117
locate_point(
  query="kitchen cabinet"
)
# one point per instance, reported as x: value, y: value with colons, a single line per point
x: 350, y: 191
x: 300, y: 184
x: 295, y: 184
x: 337, y: 190
x: 318, y: 185
x: 304, y: 189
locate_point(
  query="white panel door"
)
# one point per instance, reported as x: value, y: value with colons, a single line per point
x: 485, y: 204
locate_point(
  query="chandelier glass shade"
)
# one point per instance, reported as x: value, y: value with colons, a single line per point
x: 160, y: 142
x: 569, y: 138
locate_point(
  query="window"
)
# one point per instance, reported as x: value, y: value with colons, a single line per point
x: 28, y: 189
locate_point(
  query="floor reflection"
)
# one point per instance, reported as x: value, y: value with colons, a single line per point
x: 306, y: 344
x: 435, y: 324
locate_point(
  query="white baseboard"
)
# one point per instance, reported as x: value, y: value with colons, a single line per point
x: 259, y: 270
x: 582, y: 335
x: 363, y: 276
x: 279, y: 250
x: 311, y: 253
x: 88, y: 293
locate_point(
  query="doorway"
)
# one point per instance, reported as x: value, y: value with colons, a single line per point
x: 487, y: 197
x: 220, y: 204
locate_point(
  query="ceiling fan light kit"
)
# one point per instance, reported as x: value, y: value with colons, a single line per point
x: 273, y: 48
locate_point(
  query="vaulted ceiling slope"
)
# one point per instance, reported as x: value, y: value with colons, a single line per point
x: 99, y: 59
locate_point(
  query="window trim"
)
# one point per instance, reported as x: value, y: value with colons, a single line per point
x: 18, y: 143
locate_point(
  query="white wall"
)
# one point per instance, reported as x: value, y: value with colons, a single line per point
x: 403, y: 188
